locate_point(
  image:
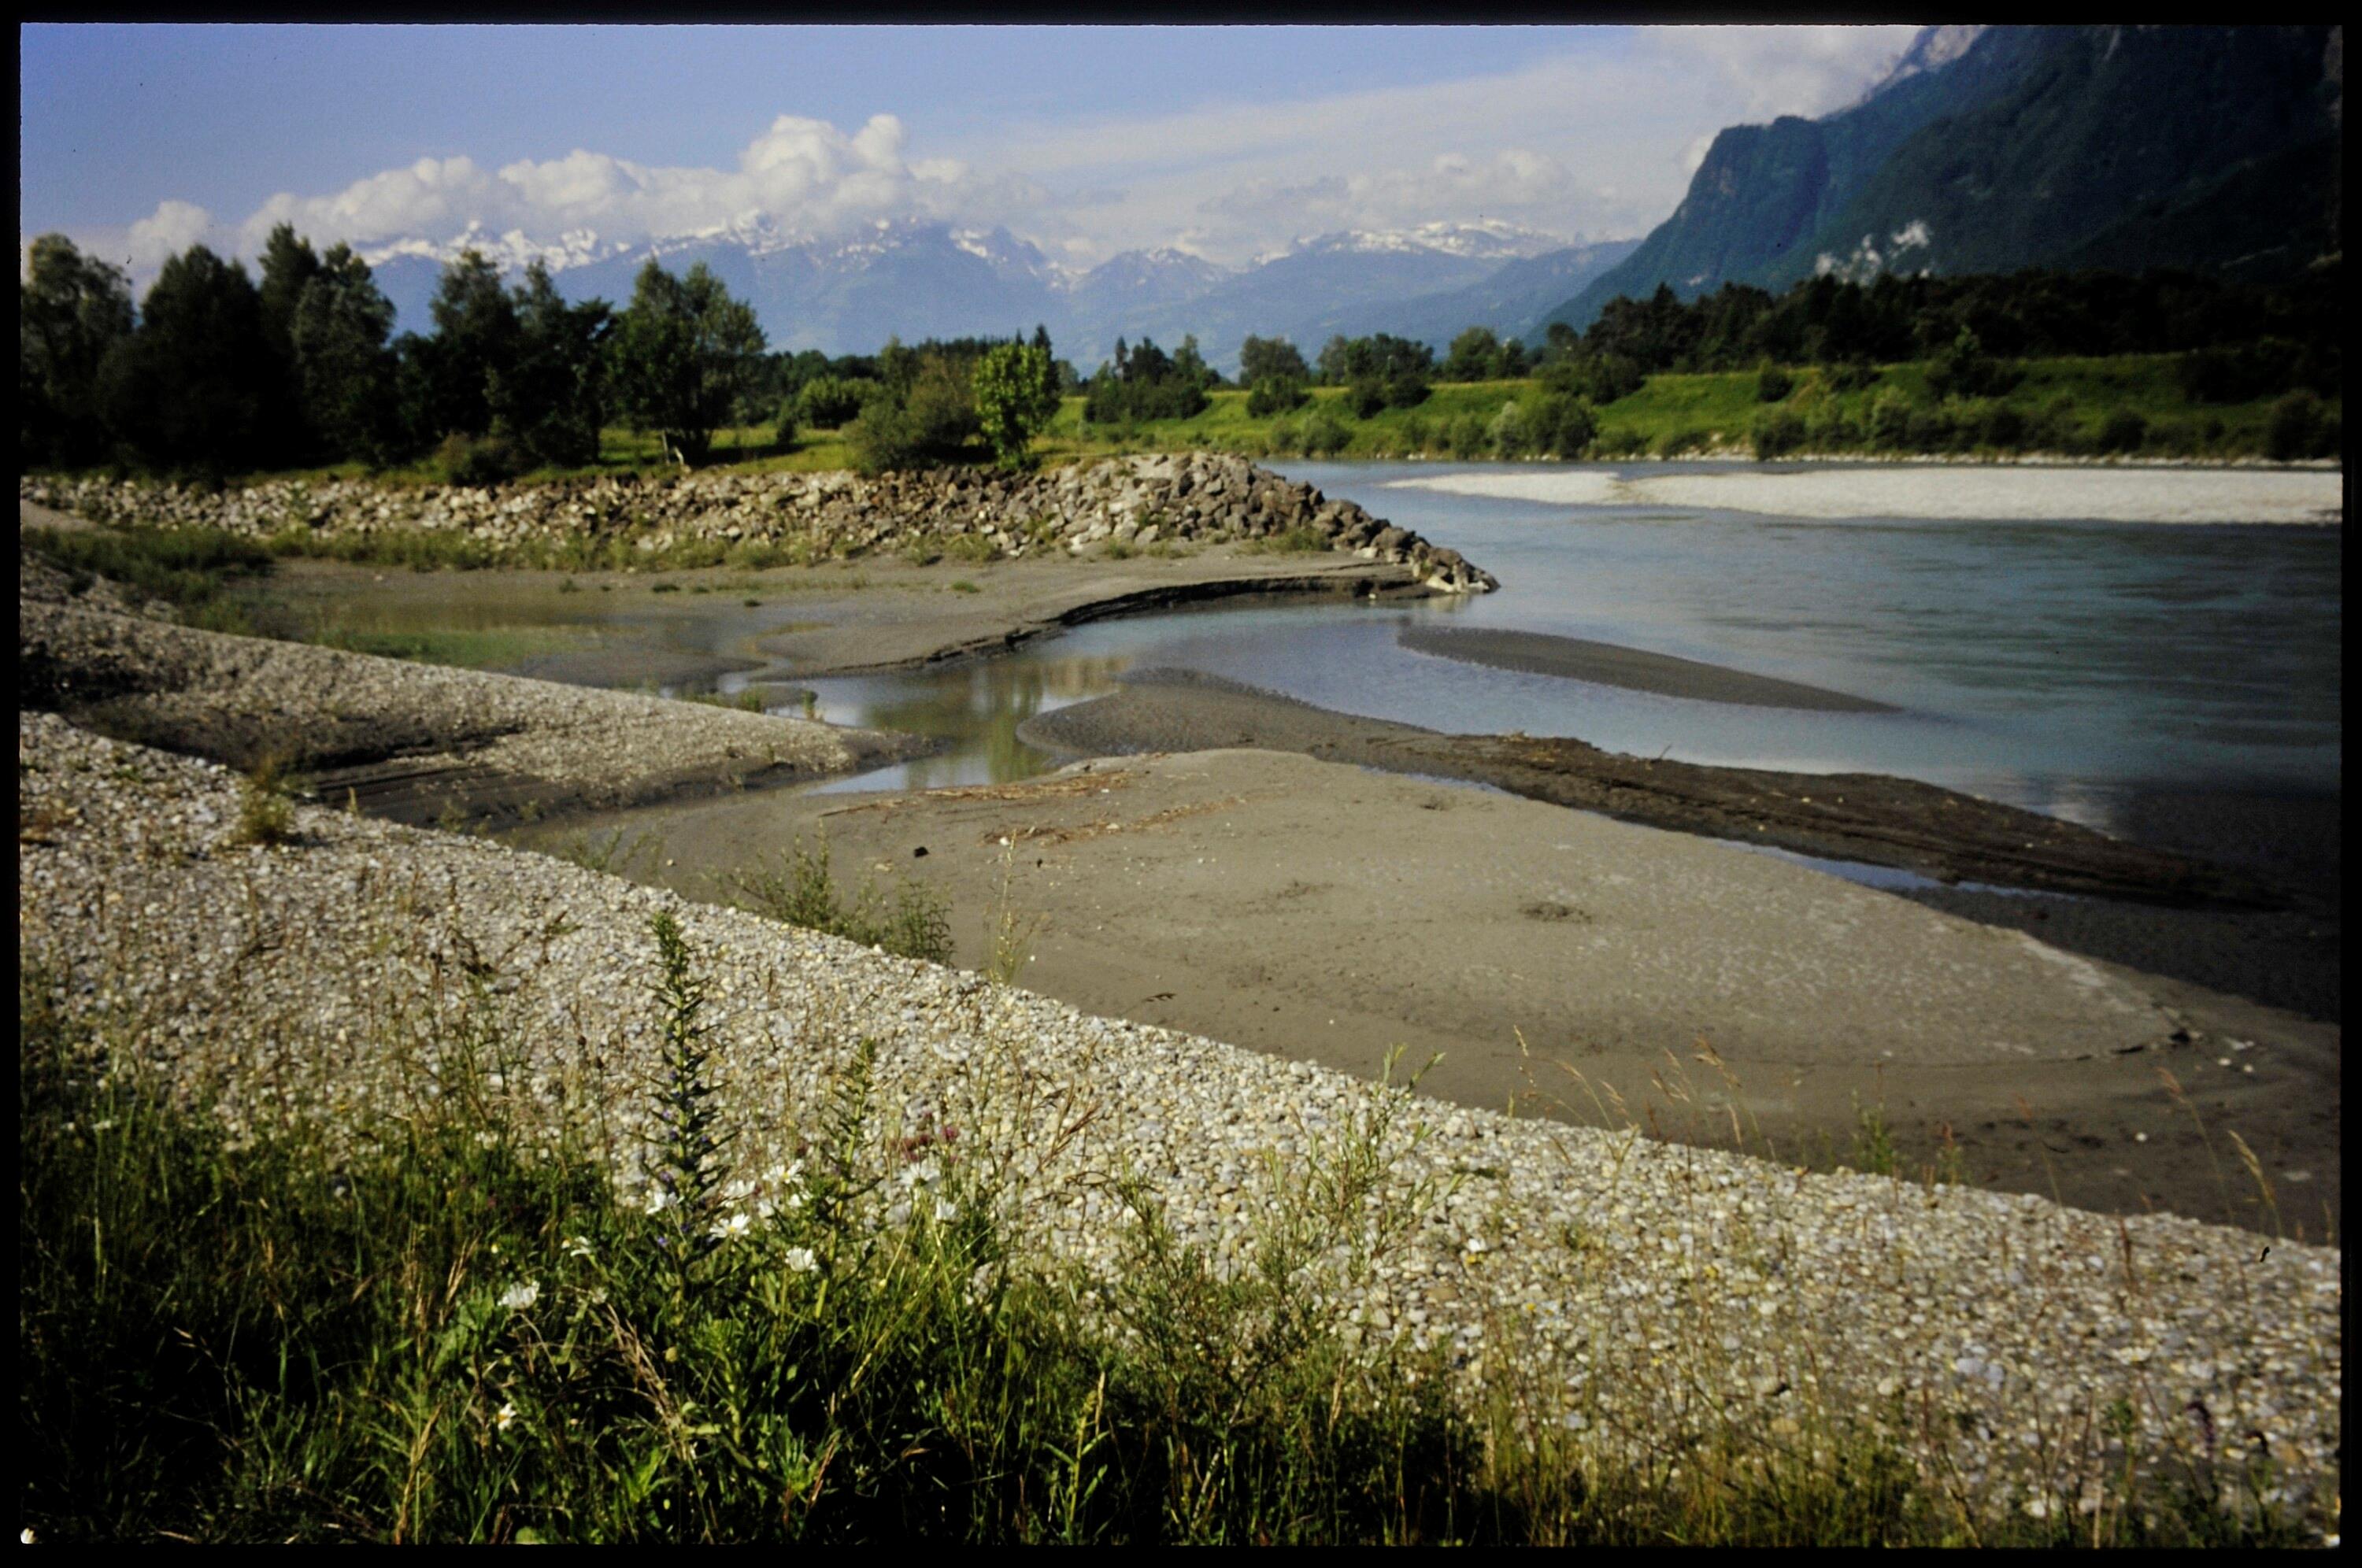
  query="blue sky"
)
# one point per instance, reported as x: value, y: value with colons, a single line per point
x: 1230, y: 141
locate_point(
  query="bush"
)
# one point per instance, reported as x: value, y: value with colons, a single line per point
x: 1773, y: 384
x: 1365, y: 397
x: 783, y: 429
x: 1889, y: 421
x: 1414, y: 434
x: 2122, y: 431
x: 1324, y: 434
x: 830, y: 403
x: 1276, y: 394
x: 1508, y: 434
x: 1560, y: 425
x: 1777, y: 432
x: 885, y: 438
x: 1408, y: 389
x: 2298, y: 427
x: 1678, y: 443
x: 478, y: 461
x: 801, y: 891
x: 2004, y: 427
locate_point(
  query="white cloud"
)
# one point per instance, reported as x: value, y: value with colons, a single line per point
x: 173, y: 227
x: 1596, y: 140
x: 803, y: 175
x: 1774, y: 71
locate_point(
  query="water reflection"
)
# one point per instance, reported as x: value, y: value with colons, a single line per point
x: 974, y: 708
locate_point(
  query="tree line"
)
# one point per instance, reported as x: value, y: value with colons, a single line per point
x: 219, y: 372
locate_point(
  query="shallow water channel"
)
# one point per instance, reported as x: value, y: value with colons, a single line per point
x: 2058, y: 665
x: 2073, y: 667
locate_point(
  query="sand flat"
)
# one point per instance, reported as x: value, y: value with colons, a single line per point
x: 1939, y: 492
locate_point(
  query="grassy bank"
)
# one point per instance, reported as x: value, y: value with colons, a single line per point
x: 2126, y: 406
x: 445, y: 1326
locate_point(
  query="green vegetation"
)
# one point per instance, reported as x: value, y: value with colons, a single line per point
x: 266, y: 815
x: 188, y: 569
x: 799, y: 890
x: 442, y: 1325
x: 1016, y: 389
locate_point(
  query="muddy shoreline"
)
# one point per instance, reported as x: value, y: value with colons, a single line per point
x: 1872, y: 818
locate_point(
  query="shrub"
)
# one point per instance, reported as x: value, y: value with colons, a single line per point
x: 885, y: 437
x: 1560, y: 425
x: 1467, y: 438
x: 2298, y: 427
x: 1406, y: 389
x: 799, y: 890
x: 1324, y: 434
x: 265, y: 814
x: 1889, y: 421
x: 1276, y: 394
x: 1365, y: 397
x: 1689, y: 438
x: 478, y: 461
x: 1415, y: 433
x: 1507, y: 434
x: 2004, y: 427
x: 1777, y: 432
x: 830, y: 403
x: 783, y: 429
x: 1773, y: 384
x: 2122, y: 431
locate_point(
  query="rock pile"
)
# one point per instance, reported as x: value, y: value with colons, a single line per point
x: 1132, y: 502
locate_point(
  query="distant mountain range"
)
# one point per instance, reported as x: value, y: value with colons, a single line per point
x: 1994, y: 148
x: 922, y: 279
x: 1983, y: 150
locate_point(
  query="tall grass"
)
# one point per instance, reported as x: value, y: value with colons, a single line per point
x: 796, y: 887
x: 452, y: 1322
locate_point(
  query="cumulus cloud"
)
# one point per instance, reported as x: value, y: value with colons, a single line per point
x: 805, y: 176
x: 173, y: 227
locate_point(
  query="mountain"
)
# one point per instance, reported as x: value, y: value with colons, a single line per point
x: 1989, y: 150
x: 1514, y: 300
x: 921, y: 280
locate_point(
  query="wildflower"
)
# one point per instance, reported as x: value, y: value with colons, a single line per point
x: 658, y: 1198
x: 799, y: 1260
x: 724, y: 1229
x: 517, y: 1297
x: 578, y: 1247
x: 506, y: 1418
x: 27, y: 1538
x: 926, y: 1173
x: 946, y: 1210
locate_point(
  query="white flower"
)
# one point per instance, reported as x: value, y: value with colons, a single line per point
x: 658, y: 1198
x: 506, y: 1418
x: 578, y: 1247
x: 723, y: 1230
x: 799, y: 1260
x: 517, y: 1297
x: 926, y: 1173
x: 27, y: 1538
x: 946, y: 1210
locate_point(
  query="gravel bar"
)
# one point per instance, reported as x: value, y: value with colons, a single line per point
x: 1639, y: 1293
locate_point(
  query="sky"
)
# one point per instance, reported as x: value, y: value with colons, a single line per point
x: 1229, y: 142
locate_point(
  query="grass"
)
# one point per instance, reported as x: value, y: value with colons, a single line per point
x: 444, y: 1325
x: 798, y: 888
x: 193, y: 570
x: 266, y: 812
x: 466, y: 647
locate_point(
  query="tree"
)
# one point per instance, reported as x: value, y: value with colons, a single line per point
x: 289, y: 266
x: 344, y: 371
x: 1016, y: 396
x: 71, y: 310
x: 1272, y: 360
x: 475, y: 335
x: 191, y: 387
x: 551, y: 397
x: 683, y: 353
x: 1474, y: 355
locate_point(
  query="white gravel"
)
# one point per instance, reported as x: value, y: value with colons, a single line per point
x: 1946, y: 491
x: 1633, y: 1290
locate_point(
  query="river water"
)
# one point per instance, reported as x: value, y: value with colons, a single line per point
x: 2065, y: 667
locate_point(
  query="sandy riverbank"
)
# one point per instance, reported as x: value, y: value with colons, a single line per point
x: 1325, y: 912
x: 1938, y: 492
x: 1640, y: 1295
